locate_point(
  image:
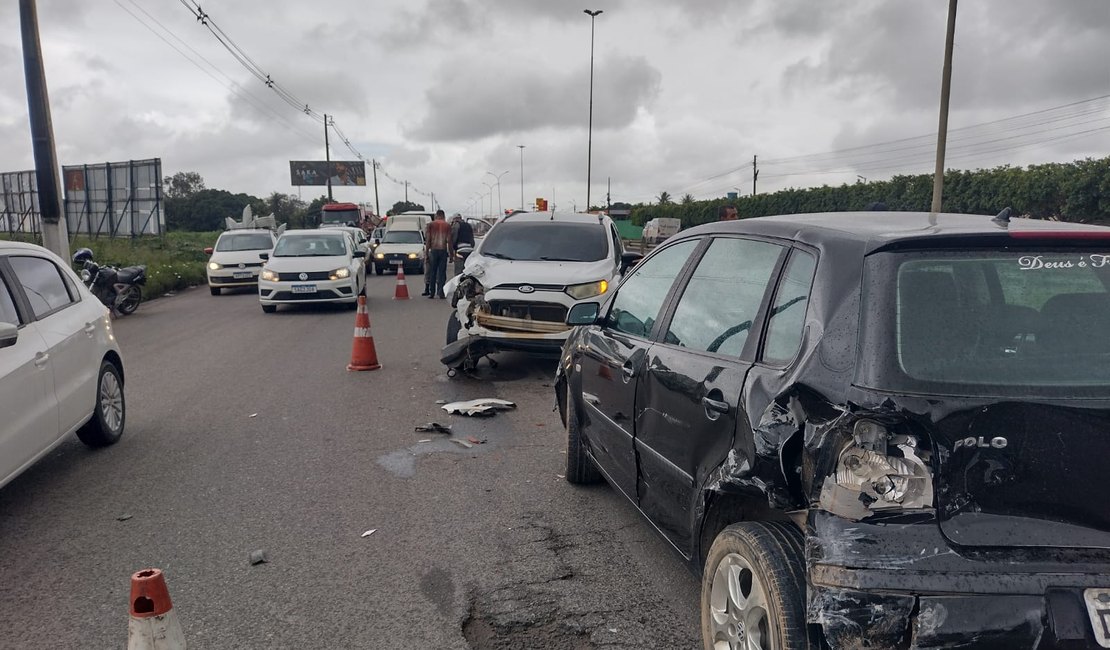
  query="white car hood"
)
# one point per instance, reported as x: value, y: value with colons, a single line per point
x: 296, y: 264
x: 231, y: 258
x: 492, y: 272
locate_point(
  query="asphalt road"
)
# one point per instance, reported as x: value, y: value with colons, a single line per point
x: 246, y: 432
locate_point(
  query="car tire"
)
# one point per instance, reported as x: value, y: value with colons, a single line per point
x: 581, y: 469
x: 768, y: 561
x: 378, y: 269
x: 110, y: 411
x: 215, y: 290
x: 269, y: 309
x: 453, y: 328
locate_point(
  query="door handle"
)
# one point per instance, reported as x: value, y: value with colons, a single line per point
x: 41, y: 359
x: 714, y: 408
x: 90, y: 329
x: 628, y: 372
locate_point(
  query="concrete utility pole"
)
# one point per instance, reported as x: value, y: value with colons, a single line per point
x: 55, y: 234
x: 590, y: 129
x: 755, y: 172
x: 945, y: 90
x: 377, y: 206
x: 327, y: 156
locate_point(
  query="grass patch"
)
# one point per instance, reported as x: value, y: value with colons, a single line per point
x: 174, y: 261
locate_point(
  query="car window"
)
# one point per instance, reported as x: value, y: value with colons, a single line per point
x: 720, y: 303
x: 246, y: 241
x: 549, y: 241
x: 310, y: 246
x: 618, y: 248
x: 8, y: 313
x: 42, y: 282
x: 403, y: 237
x: 639, y: 299
x: 786, y: 320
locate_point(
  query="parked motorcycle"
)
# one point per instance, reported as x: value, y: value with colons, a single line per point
x: 118, y: 289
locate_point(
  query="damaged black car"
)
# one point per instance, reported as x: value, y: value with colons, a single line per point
x: 863, y: 430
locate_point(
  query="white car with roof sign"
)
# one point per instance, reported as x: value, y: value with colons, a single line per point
x: 234, y: 261
x: 312, y: 266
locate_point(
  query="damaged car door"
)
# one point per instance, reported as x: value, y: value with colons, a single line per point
x: 688, y: 405
x: 612, y: 358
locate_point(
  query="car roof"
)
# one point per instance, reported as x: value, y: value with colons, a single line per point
x: 10, y: 246
x: 237, y: 231
x: 314, y: 231
x: 565, y: 217
x: 877, y: 230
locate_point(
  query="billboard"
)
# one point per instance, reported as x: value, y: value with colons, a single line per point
x: 120, y: 199
x: 317, y: 172
x: 19, y: 203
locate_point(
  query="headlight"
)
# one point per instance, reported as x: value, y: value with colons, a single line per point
x: 213, y: 266
x: 340, y: 274
x: 588, y: 290
x: 269, y: 275
x: 412, y: 256
x: 878, y: 470
x: 380, y: 256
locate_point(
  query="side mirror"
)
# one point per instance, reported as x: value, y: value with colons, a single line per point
x: 264, y: 256
x: 584, y: 313
x: 9, y: 334
x: 628, y: 260
x: 464, y: 252
x: 208, y: 250
x: 359, y: 254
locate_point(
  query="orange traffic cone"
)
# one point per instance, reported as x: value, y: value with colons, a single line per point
x: 153, y: 624
x: 402, y: 292
x: 363, y: 354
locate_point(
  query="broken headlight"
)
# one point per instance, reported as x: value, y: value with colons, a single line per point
x: 876, y: 471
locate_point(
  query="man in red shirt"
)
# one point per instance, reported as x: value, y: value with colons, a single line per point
x: 437, y: 239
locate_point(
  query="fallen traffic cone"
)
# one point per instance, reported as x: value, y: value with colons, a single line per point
x: 153, y: 624
x: 402, y: 292
x: 363, y: 354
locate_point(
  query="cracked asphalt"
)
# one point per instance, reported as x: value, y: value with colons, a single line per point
x: 245, y: 432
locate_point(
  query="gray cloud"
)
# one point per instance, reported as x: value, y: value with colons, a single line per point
x: 466, y: 102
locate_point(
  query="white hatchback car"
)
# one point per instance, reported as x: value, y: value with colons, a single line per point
x: 60, y: 366
x: 529, y: 270
x: 234, y: 260
x: 308, y: 266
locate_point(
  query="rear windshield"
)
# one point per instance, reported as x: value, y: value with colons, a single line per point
x: 310, y: 246
x: 247, y: 241
x: 547, y: 241
x: 339, y: 216
x: 402, y: 237
x: 986, y: 322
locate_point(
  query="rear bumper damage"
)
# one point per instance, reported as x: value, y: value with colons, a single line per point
x: 891, y: 585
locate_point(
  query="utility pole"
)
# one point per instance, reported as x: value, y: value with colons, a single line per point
x: 55, y: 234
x: 755, y: 172
x: 377, y: 206
x: 406, y: 191
x: 521, y: 147
x: 945, y: 90
x: 327, y: 156
x: 590, y: 130
x: 608, y: 190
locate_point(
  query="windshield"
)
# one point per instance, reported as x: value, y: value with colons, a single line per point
x: 339, y: 217
x: 978, y: 322
x: 547, y: 241
x: 310, y: 246
x: 245, y: 241
x: 402, y: 237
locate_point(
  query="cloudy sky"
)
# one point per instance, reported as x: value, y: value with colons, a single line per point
x: 441, y: 92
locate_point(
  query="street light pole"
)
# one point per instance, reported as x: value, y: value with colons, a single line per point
x: 490, y: 197
x: 945, y: 91
x: 590, y: 129
x: 521, y: 147
x: 500, y: 208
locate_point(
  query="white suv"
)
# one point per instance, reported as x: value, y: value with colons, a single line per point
x: 518, y: 285
x: 60, y: 366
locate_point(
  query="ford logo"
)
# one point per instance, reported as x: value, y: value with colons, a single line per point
x: 303, y: 276
x: 526, y: 288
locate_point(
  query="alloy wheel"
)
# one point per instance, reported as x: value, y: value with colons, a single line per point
x: 738, y: 607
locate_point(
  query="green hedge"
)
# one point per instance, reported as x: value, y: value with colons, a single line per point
x: 1076, y: 191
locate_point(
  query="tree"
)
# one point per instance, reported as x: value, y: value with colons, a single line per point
x: 183, y: 185
x: 206, y: 210
x: 664, y: 198
x: 405, y: 206
x: 687, y: 199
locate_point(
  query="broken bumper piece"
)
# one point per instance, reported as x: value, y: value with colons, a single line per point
x: 890, y: 585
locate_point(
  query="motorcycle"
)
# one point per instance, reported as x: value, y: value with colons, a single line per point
x: 118, y: 289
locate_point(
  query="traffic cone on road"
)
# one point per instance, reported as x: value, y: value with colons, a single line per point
x: 363, y: 354
x: 153, y: 624
x: 402, y: 292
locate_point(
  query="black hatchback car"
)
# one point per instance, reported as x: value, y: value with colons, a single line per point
x: 881, y: 430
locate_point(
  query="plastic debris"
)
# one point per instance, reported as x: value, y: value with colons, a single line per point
x: 433, y: 427
x: 253, y: 415
x: 370, y: 532
x: 123, y: 517
x: 461, y: 442
x: 425, y: 440
x: 441, y: 401
x: 481, y: 407
x: 259, y: 557
x: 476, y: 441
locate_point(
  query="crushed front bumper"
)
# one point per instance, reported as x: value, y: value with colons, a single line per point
x: 900, y: 584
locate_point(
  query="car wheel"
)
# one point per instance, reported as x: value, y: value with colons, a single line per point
x: 753, y: 588
x: 580, y: 467
x: 378, y: 269
x: 110, y: 411
x: 129, y: 301
x: 269, y: 309
x: 215, y: 290
x: 453, y: 328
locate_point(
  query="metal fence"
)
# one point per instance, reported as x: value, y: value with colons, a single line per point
x: 121, y: 199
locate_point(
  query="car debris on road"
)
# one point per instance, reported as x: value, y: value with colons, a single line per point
x: 433, y: 427
x: 485, y: 406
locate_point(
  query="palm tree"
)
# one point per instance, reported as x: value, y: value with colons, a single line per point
x: 687, y: 199
x: 664, y: 198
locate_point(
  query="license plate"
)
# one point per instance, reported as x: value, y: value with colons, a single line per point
x: 396, y: 262
x: 241, y: 275
x: 1098, y: 607
x: 304, y: 288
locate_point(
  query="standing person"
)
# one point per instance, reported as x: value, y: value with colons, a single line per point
x: 437, y: 240
x: 461, y: 235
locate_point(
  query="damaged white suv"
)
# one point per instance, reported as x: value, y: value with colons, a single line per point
x: 517, y: 287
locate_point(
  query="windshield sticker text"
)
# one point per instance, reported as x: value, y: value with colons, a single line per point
x: 1038, y: 262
